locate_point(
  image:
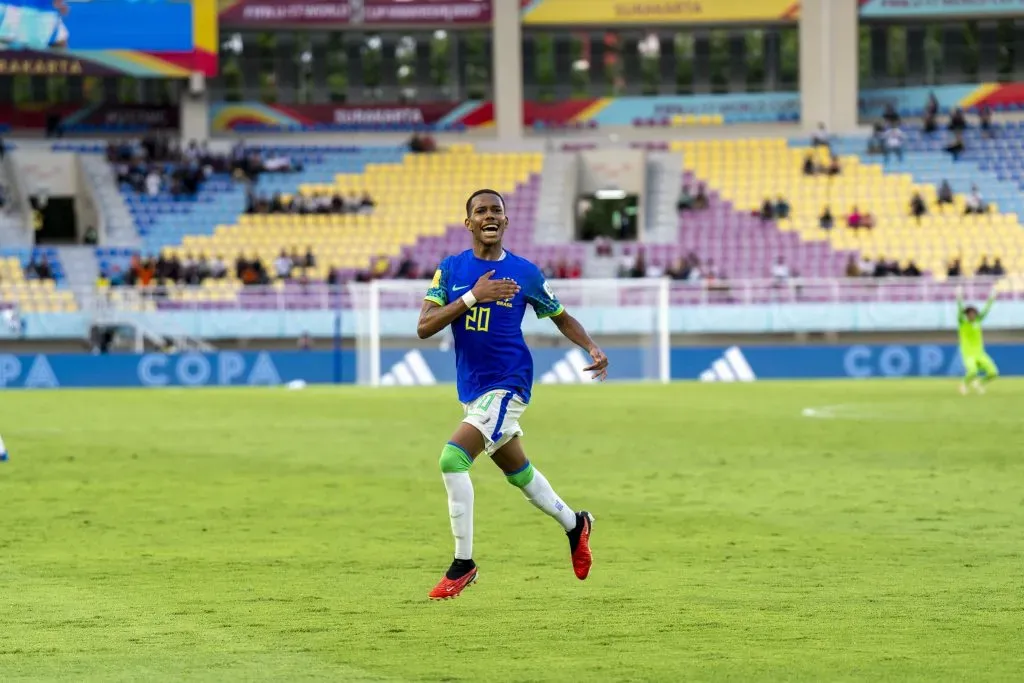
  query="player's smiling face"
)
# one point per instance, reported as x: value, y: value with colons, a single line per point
x: 487, y: 220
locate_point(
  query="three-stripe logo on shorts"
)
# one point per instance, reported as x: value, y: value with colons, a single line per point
x: 731, y: 367
x: 412, y: 370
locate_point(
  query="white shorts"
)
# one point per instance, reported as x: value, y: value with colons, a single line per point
x: 496, y: 416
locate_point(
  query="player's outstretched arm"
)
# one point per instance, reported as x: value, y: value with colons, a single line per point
x: 572, y: 330
x: 988, y: 305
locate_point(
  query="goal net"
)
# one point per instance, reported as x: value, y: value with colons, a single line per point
x: 628, y: 318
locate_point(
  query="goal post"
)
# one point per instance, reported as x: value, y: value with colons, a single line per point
x: 628, y: 318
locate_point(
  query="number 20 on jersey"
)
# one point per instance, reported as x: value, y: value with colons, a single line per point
x: 478, y: 319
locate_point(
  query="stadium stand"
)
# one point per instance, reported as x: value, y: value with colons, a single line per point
x: 939, y: 237
x: 418, y: 217
x: 418, y: 196
x: 738, y: 244
x: 45, y: 295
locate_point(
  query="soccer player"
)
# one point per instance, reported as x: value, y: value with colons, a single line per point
x: 972, y: 346
x: 483, y: 293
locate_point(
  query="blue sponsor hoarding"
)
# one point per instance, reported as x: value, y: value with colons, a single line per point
x: 433, y: 366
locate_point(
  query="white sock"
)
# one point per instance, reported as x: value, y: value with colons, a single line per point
x: 540, y: 493
x: 460, y: 510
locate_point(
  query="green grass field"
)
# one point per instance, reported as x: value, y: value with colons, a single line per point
x: 261, y: 534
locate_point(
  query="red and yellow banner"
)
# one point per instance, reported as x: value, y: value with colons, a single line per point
x: 611, y: 12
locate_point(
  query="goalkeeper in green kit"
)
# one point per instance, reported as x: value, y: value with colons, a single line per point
x: 972, y: 346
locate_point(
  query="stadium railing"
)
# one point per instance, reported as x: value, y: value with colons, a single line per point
x: 403, y: 293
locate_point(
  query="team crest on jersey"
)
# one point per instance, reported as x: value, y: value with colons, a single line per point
x: 507, y: 303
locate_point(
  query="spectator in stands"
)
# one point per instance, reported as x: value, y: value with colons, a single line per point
x: 882, y: 268
x: 3, y: 196
x: 696, y: 274
x: 381, y: 267
x: 202, y: 271
x: 145, y: 273
x: 406, y: 269
x: 241, y: 265
x: 153, y: 182
x: 911, y: 270
x: 782, y: 208
x: 877, y: 140
x: 309, y: 260
x: 333, y: 276
x: 780, y: 271
x: 218, y: 268
x: 985, y: 269
x: 639, y: 268
x: 985, y: 121
x: 90, y: 237
x: 809, y: 167
x: 975, y: 203
x: 866, y: 267
x: 891, y: 116
x: 852, y: 269
x: 997, y: 268
x: 366, y: 204
x: 931, y: 107
x: 834, y: 168
x: 575, y: 271
x: 894, y: 143
x: 685, y: 201
x: 420, y: 144
x: 825, y: 220
x: 917, y: 206
x: 820, y: 137
x: 855, y: 219
x: 39, y: 270
x: 767, y: 211
x: 254, y: 273
x: 956, y: 147
x: 603, y: 247
x: 958, y: 121
x: 945, y: 193
x: 954, y: 269
x: 681, y: 270
x: 283, y: 265
x: 701, y: 201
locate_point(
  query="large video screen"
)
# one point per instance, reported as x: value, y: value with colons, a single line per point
x: 151, y: 25
x: 181, y: 34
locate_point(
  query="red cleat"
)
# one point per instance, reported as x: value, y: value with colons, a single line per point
x: 451, y: 588
x: 579, y: 544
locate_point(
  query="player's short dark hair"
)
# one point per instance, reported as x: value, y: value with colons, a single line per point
x: 970, y: 309
x: 469, y: 202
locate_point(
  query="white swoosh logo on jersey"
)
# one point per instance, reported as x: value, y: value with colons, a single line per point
x: 459, y: 289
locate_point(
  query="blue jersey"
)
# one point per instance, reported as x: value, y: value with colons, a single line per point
x: 490, y: 352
